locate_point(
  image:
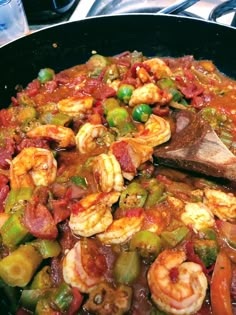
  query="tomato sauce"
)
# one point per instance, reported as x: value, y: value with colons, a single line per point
x: 83, y: 208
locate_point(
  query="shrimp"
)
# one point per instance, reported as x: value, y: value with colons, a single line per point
x: 63, y: 135
x: 83, y: 266
x: 149, y: 93
x: 121, y: 230
x: 197, y: 215
x: 92, y: 214
x: 156, y: 131
x: 33, y: 166
x: 158, y: 67
x: 89, y: 136
x: 130, y: 153
x: 75, y: 106
x: 107, y: 172
x: 222, y: 204
x: 177, y: 287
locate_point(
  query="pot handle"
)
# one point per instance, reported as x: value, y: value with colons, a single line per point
x: 223, y: 9
x: 177, y: 7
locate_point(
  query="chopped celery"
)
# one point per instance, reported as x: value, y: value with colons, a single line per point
x: 42, y: 279
x: 13, y: 231
x: 18, y: 268
x: 47, y: 248
x: 172, y: 238
x: 16, y: 196
x: 127, y: 267
x: 30, y: 298
x: 62, y: 297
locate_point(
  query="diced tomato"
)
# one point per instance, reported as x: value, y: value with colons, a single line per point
x: 5, y: 118
x: 60, y: 210
x: 139, y: 65
x: 4, y: 190
x: 33, y: 88
x: 39, y: 221
x: 121, y: 152
x: 98, y: 89
x: 134, y: 212
x: 76, y: 303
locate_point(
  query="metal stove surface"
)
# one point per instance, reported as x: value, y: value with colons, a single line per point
x: 201, y: 9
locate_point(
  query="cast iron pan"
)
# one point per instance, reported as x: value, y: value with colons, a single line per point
x: 68, y: 44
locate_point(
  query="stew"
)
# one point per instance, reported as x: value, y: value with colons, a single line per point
x: 90, y: 221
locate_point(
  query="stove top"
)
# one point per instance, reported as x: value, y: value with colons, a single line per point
x: 202, y: 9
x: 218, y: 10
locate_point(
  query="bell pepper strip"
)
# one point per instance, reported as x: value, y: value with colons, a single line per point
x: 173, y: 238
x: 18, y: 268
x: 13, y: 231
x: 105, y: 297
x: 16, y: 197
x: 220, y: 286
x: 42, y: 279
x: 47, y: 248
x: 127, y: 267
x: 146, y: 243
x: 134, y: 196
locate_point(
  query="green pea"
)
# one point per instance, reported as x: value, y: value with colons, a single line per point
x: 45, y: 75
x: 124, y: 92
x: 141, y: 112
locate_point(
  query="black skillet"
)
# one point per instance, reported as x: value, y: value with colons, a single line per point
x: 71, y: 43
